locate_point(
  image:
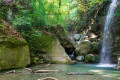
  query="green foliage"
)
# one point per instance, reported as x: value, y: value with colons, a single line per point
x: 39, y: 12
x: 3, y: 10
x: 117, y: 14
x: 32, y: 37
x: 22, y: 23
x: 81, y: 11
x: 51, y: 13
x: 46, y: 12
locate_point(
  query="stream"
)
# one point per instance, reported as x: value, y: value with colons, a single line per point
x: 100, y: 73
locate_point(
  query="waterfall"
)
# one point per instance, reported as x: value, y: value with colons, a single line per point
x: 107, y: 39
x: 72, y: 56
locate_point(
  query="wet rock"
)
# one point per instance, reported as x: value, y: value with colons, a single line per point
x: 83, y: 48
x: 115, y: 56
x: 117, y: 67
x: 91, y: 58
x: 96, y: 46
x: 80, y: 58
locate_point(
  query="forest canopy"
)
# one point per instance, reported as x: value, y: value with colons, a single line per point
x: 55, y: 12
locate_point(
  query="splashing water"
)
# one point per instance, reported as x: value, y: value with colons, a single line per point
x: 107, y: 41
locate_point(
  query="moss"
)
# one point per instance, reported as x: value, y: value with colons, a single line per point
x: 34, y: 60
x: 91, y: 58
x: 14, y: 58
x: 13, y: 52
x: 42, y: 43
x: 49, y: 47
x: 46, y: 42
x: 10, y: 42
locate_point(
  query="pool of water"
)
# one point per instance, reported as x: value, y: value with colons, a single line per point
x: 100, y: 73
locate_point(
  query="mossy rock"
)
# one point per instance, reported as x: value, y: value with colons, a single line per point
x: 49, y: 46
x: 14, y: 50
x: 13, y: 55
x: 91, y: 58
x: 83, y: 48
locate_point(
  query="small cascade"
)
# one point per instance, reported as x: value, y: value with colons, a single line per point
x: 107, y: 39
x: 72, y: 56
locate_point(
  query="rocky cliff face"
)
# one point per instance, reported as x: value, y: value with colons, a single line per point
x: 14, y: 51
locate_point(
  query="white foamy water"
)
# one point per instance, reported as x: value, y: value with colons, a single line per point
x: 106, y: 65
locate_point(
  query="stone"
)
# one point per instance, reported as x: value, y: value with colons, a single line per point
x: 96, y: 46
x: 76, y: 37
x: 57, y: 54
x: 66, y: 39
x: 83, y: 48
x: 117, y: 67
x: 49, y: 46
x: 80, y: 58
x: 118, y: 64
x: 14, y: 50
x: 68, y: 43
x: 91, y: 58
x: 83, y: 37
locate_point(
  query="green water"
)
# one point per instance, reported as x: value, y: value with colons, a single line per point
x: 99, y: 73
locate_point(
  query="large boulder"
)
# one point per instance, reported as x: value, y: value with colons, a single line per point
x: 91, y: 58
x: 65, y: 38
x: 83, y: 48
x: 14, y: 51
x: 67, y: 41
x: 49, y: 47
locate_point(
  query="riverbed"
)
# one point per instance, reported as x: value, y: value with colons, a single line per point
x: 100, y: 73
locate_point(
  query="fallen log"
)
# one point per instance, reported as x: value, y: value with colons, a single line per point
x: 13, y: 71
x: 28, y: 69
x: 10, y: 72
x: 48, y: 64
x: 72, y: 73
x: 48, y: 78
x: 46, y: 71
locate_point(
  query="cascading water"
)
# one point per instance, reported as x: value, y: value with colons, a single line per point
x: 72, y: 56
x: 106, y: 47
